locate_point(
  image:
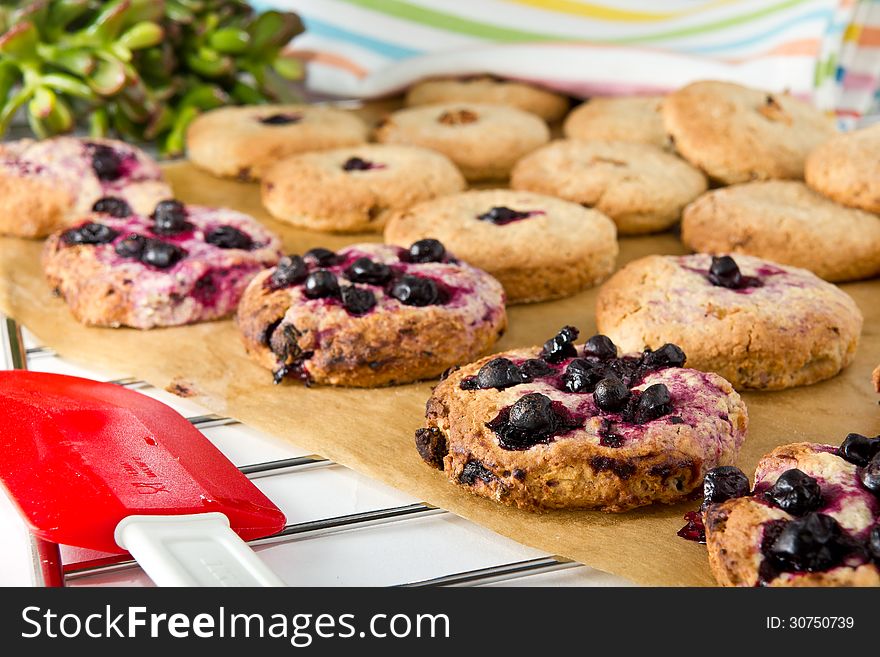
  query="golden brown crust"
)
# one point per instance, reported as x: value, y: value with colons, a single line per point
x: 32, y: 207
x: 794, y: 330
x: 662, y: 465
x: 736, y: 134
x: 846, y: 168
x: 632, y: 119
x: 876, y: 379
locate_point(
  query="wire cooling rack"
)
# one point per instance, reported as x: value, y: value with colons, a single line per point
x: 345, y: 529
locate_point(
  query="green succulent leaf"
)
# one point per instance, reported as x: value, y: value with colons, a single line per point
x: 143, y: 35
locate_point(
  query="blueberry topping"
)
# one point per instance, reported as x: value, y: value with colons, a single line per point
x: 724, y: 483
x: 499, y: 373
x: 874, y: 543
x: 472, y: 471
x: 115, y: 207
x: 654, y: 402
x: 560, y: 346
x: 611, y: 394
x: 290, y: 271
x: 535, y: 368
x: 859, y: 449
x: 229, y: 237
x: 132, y: 246
x: 415, y: 291
x: 532, y: 413
x: 360, y: 164
x: 169, y: 218
x: 281, y: 119
x: 500, y: 216
x: 321, y: 257
x: 358, y: 300
x: 321, y: 284
x: 724, y: 272
x: 106, y: 162
x: 669, y: 355
x: 162, y: 255
x: 601, y: 347
x: 364, y: 270
x: 814, y: 542
x: 581, y: 376
x: 870, y: 475
x: 795, y: 492
x: 90, y: 233
x: 427, y: 250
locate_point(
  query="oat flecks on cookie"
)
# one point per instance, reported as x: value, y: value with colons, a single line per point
x: 579, y: 426
x: 847, y: 169
x: 757, y: 323
x: 631, y: 119
x: 811, y: 519
x: 356, y: 189
x: 47, y: 185
x: 483, y: 140
x: 539, y: 247
x: 736, y: 134
x: 180, y: 264
x: 242, y: 142
x: 789, y: 223
x: 640, y: 186
x: 370, y: 315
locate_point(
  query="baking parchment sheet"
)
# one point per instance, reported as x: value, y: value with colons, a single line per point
x: 371, y: 431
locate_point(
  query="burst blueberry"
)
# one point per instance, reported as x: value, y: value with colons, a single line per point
x: 561, y: 345
x: 169, y: 218
x: 427, y: 250
x: 499, y: 373
x: 358, y: 300
x: 654, y: 402
x: 669, y: 355
x: 532, y: 413
x: 161, y: 255
x: 812, y: 543
x: 290, y: 271
x: 229, y: 237
x: 723, y: 483
x: 132, y: 246
x: 724, y: 272
x: 795, y: 492
x: 321, y: 257
x: 106, y: 163
x: 115, y: 207
x: 364, y: 270
x: 870, y: 475
x: 611, y: 394
x: 501, y: 215
x: 601, y: 347
x: 415, y: 291
x: 281, y: 119
x: 859, y: 449
x: 581, y: 376
x: 321, y: 284
x: 90, y: 233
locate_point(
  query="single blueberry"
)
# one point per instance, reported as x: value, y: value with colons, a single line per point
x: 532, y: 413
x: 115, y: 207
x: 870, y: 475
x: 321, y: 257
x: 321, y: 284
x: 813, y: 542
x: 415, y: 291
x: 169, y: 218
x: 357, y: 164
x: 859, y: 449
x: 601, y: 347
x: 795, y: 492
x: 132, y: 246
x: 669, y: 355
x: 611, y: 394
x: 229, y: 237
x: 290, y: 271
x: 499, y: 373
x: 427, y: 250
x: 724, y: 483
x: 358, y: 300
x: 724, y: 272
x: 581, y: 376
x: 561, y: 345
x: 281, y: 119
x: 161, y: 255
x: 874, y: 542
x: 500, y: 215
x: 654, y: 402
x: 364, y: 270
x: 106, y: 163
x: 90, y: 233
x: 535, y: 368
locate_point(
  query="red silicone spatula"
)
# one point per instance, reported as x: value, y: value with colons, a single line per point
x: 97, y: 466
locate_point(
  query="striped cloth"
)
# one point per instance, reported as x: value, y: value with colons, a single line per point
x: 828, y: 50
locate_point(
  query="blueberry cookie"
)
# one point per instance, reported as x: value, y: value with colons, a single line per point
x: 633, y: 118
x: 49, y: 184
x: 846, y: 168
x: 736, y: 134
x: 641, y: 187
x: 812, y: 519
x: 483, y: 140
x: 486, y: 89
x: 242, y: 142
x: 179, y: 265
x: 568, y: 426
x: 756, y: 323
x: 875, y: 378
x: 538, y: 246
x: 370, y: 315
x: 356, y: 189
x: 787, y: 222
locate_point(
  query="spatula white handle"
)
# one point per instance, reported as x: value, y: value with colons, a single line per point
x: 192, y: 550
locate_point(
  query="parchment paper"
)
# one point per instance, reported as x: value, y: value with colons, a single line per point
x: 371, y: 431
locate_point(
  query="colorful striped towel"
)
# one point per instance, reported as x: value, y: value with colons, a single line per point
x: 823, y: 49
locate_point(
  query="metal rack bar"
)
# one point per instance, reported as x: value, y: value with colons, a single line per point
x: 499, y: 573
